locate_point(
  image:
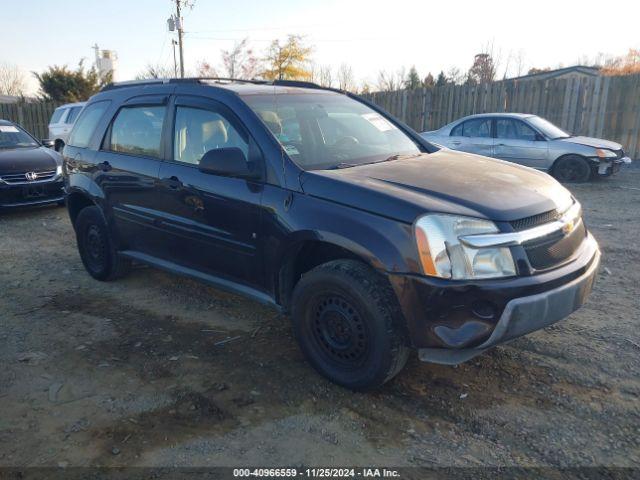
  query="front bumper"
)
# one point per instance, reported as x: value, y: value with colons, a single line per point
x: 450, y: 323
x: 36, y: 193
x: 606, y: 168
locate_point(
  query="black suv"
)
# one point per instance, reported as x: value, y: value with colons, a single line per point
x: 319, y: 203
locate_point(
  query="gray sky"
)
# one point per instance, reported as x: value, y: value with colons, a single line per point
x: 368, y: 35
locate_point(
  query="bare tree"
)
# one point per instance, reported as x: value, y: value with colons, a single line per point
x: 321, y: 74
x: 155, y: 71
x: 325, y: 76
x: 240, y: 61
x: 519, y: 63
x: 346, y: 80
x: 388, y: 82
x: 205, y: 69
x: 12, y: 80
x: 455, y: 76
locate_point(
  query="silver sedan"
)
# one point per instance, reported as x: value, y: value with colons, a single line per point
x: 534, y: 142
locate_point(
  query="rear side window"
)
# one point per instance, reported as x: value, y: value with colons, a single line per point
x: 457, y: 130
x: 73, y: 114
x: 138, y: 130
x: 86, y: 124
x: 57, y: 115
x: 477, y: 128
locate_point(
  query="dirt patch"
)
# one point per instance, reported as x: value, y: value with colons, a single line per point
x: 157, y: 370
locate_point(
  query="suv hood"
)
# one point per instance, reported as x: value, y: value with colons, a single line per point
x: 19, y: 160
x: 593, y: 142
x: 445, y: 181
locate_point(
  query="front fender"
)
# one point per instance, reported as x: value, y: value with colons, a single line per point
x: 385, y: 244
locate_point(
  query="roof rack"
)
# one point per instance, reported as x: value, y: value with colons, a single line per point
x: 157, y: 81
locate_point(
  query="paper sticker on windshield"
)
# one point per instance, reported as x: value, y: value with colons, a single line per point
x: 8, y: 129
x: 291, y: 150
x: 378, y: 121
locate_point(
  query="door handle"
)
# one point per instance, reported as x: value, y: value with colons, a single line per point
x: 501, y: 145
x: 104, y: 166
x: 456, y: 143
x: 173, y: 182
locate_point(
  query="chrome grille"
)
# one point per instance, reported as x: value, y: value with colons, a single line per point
x: 13, y: 178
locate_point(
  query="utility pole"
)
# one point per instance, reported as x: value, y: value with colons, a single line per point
x: 175, y: 65
x: 180, y: 33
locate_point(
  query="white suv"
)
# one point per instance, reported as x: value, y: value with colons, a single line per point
x: 61, y: 122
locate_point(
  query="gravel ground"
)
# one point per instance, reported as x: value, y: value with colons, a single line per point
x: 133, y: 372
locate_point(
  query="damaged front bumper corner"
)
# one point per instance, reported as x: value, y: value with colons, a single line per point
x: 524, y: 315
x: 609, y: 167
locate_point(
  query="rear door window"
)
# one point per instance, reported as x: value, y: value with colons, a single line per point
x: 138, y: 131
x: 477, y: 128
x: 457, y: 130
x: 86, y: 124
x: 57, y: 115
x: 72, y: 115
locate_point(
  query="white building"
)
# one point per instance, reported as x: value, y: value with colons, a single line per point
x: 106, y: 61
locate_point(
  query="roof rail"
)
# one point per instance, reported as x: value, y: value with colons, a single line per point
x: 157, y: 81
x: 229, y: 79
x: 131, y: 83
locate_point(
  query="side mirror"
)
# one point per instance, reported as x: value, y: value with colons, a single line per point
x: 48, y: 143
x: 228, y: 162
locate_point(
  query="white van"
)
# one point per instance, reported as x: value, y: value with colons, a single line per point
x: 61, y: 122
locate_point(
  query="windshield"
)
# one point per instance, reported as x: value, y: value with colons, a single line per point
x: 14, y: 137
x: 327, y: 130
x: 548, y: 128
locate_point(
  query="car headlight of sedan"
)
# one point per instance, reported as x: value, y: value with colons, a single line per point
x: 604, y: 153
x: 443, y: 255
x: 58, y: 170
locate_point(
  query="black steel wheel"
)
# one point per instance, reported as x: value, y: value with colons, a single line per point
x: 340, y: 330
x: 572, y: 169
x: 347, y: 321
x: 96, y: 247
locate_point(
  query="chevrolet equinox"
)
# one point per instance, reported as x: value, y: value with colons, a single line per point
x: 317, y: 202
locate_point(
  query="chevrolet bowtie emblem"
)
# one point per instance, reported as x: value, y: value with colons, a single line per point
x: 568, y: 227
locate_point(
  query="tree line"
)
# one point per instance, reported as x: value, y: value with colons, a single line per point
x: 292, y: 59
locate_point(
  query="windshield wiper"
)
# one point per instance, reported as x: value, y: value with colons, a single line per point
x: 397, y: 156
x: 344, y: 165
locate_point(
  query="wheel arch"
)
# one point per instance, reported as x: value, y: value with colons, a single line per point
x: 308, y: 250
x: 592, y: 164
x: 76, y: 201
x: 589, y: 161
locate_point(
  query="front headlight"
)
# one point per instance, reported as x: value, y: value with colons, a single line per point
x: 443, y: 255
x: 603, y: 153
x: 58, y: 170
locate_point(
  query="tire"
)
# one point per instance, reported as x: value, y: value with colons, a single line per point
x: 572, y: 169
x: 97, y: 252
x: 347, y: 321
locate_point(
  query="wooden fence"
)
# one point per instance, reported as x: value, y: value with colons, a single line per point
x: 33, y: 117
x: 604, y: 107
